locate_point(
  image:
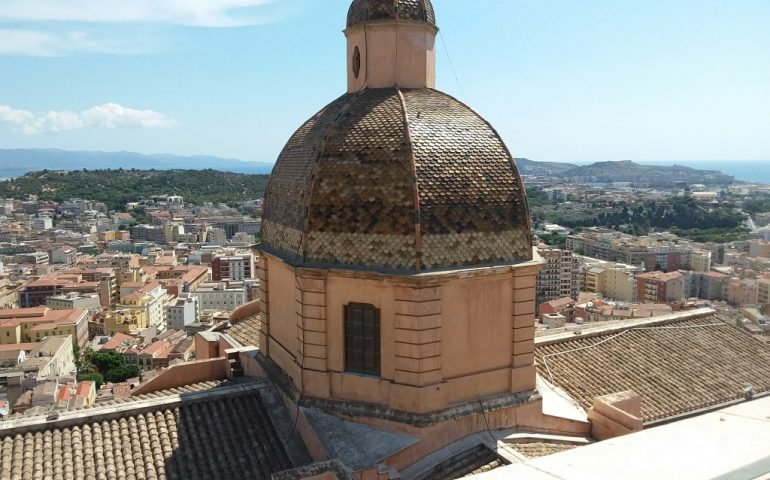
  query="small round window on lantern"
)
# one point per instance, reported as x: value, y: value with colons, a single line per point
x: 356, y: 62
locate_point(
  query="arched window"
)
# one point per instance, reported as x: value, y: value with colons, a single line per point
x: 362, y: 339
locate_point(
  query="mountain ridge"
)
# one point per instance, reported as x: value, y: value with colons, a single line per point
x: 17, y: 162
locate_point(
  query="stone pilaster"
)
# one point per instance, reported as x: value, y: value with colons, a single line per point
x: 418, y: 336
x: 264, y: 304
x: 523, y: 361
x: 311, y: 322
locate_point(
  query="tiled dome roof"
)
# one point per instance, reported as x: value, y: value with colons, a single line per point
x: 370, y: 10
x: 396, y: 180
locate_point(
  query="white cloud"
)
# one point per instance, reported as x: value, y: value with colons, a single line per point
x: 109, y: 115
x: 49, y: 43
x: 200, y: 13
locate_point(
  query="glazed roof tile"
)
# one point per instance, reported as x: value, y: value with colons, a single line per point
x: 677, y: 366
x: 377, y: 10
x: 396, y: 180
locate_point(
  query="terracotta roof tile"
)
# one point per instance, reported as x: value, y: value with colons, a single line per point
x: 541, y: 449
x: 225, y: 436
x: 677, y: 367
x: 247, y: 331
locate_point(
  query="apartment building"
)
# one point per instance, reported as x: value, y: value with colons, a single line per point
x: 64, y: 255
x: 700, y: 260
x: 147, y: 300
x: 659, y: 287
x: 73, y: 300
x: 232, y: 265
x: 24, y: 325
x: 759, y: 248
x: 763, y: 291
x: 656, y: 252
x: 560, y: 276
x: 183, y: 312
x: 221, y: 295
x: 741, y: 292
x: 616, y: 281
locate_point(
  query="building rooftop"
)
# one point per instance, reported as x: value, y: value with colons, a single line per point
x: 215, y: 431
x: 677, y: 364
x: 246, y: 331
x: 561, y: 302
x: 660, y: 276
x: 727, y: 444
x: 118, y: 340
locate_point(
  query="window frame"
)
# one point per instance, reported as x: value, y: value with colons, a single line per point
x: 362, y: 331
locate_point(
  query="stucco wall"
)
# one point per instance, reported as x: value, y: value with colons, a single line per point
x: 392, y: 55
x: 445, y: 338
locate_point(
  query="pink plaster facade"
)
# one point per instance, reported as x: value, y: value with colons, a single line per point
x: 391, y: 54
x: 446, y: 338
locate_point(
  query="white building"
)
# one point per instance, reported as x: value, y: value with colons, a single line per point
x: 184, y: 311
x: 42, y: 223
x: 216, y: 236
x: 74, y: 300
x: 221, y: 295
x: 152, y: 298
x: 53, y: 357
x: 64, y: 255
x: 700, y: 261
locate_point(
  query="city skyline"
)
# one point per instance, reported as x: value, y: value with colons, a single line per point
x: 641, y: 81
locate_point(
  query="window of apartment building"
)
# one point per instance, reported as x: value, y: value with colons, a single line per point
x: 362, y: 339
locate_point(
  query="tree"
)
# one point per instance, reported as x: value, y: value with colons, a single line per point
x: 106, y: 361
x: 83, y: 359
x: 122, y: 373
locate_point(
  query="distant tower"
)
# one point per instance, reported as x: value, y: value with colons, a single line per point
x: 397, y: 264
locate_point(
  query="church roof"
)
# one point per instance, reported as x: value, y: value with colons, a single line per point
x: 678, y: 364
x: 396, y: 180
x: 370, y: 10
x: 223, y: 432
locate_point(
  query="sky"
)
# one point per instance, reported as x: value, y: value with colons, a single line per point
x: 560, y: 80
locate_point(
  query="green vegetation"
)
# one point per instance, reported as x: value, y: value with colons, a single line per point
x: 757, y: 204
x: 101, y: 367
x: 117, y: 187
x: 680, y: 215
x: 718, y: 235
x: 553, y: 239
x: 536, y: 198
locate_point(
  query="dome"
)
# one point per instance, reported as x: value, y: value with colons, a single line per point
x: 396, y: 180
x: 370, y: 10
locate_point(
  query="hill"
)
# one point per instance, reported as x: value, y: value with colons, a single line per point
x: 116, y: 187
x: 531, y: 167
x: 653, y: 175
x: 14, y: 163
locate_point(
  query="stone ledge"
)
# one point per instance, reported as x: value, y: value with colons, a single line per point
x: 368, y: 410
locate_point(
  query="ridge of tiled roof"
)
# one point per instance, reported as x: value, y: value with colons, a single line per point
x: 119, y: 404
x: 678, y: 364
